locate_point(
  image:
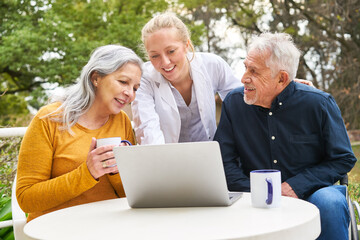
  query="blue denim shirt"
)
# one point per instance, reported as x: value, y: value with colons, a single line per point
x: 302, y: 135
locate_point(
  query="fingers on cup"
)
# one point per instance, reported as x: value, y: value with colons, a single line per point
x: 109, y: 163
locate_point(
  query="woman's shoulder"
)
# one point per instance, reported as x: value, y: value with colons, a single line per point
x: 204, y: 58
x: 149, y: 72
x: 49, y: 108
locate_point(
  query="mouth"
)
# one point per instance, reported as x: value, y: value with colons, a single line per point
x: 249, y: 89
x: 169, y: 69
x: 122, y: 102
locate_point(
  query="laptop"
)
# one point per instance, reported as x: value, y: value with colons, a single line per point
x: 174, y: 175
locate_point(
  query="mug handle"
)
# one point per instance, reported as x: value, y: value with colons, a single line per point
x: 270, y: 191
x: 126, y: 141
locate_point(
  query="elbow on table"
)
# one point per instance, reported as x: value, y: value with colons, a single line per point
x: 26, y: 200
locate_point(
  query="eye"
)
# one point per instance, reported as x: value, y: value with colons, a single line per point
x: 136, y: 87
x: 172, y: 51
x: 122, y: 82
x: 154, y: 56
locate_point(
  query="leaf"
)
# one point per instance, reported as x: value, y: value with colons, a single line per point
x: 10, y: 236
x: 5, y: 212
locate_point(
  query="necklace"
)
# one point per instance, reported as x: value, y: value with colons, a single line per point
x: 91, y: 123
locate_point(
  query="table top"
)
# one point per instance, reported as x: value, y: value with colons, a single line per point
x: 110, y: 219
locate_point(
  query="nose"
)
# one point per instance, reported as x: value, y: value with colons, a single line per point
x: 165, y: 60
x: 245, y: 78
x: 130, y: 93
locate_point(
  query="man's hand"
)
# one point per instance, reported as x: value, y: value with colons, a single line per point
x: 286, y: 190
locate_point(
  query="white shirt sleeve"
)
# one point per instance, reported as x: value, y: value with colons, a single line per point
x: 146, y: 119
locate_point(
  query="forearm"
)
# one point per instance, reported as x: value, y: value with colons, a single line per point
x: 146, y: 121
x: 236, y: 179
x: 37, y: 194
x: 116, y: 182
x: 318, y: 176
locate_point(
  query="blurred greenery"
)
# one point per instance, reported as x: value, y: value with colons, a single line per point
x: 44, y: 42
x: 5, y: 214
x: 354, y: 176
x: 9, y: 149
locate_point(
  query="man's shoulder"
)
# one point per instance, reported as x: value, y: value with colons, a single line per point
x: 235, y: 95
x: 237, y: 91
x: 311, y: 92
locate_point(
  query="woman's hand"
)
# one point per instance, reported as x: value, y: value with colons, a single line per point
x: 306, y: 82
x: 101, y: 161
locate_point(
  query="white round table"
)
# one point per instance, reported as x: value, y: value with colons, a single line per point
x: 114, y: 219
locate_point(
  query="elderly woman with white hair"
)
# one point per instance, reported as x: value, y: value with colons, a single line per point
x: 59, y: 165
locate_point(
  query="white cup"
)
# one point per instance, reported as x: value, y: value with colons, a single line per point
x: 265, y: 187
x: 108, y: 141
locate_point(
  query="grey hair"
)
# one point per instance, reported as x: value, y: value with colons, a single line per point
x: 78, y: 98
x: 284, y: 55
x: 166, y: 20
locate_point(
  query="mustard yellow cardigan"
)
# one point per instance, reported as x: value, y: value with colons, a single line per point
x: 52, y: 171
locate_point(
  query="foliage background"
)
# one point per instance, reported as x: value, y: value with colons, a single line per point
x: 45, y: 43
x: 48, y: 41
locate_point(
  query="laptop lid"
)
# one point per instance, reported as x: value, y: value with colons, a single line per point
x: 173, y: 175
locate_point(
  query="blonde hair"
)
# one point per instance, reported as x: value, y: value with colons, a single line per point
x: 167, y: 20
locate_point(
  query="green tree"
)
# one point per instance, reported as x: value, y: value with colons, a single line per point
x: 49, y: 41
x: 328, y: 33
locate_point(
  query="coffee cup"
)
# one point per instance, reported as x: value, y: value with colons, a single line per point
x: 265, y: 187
x: 108, y: 141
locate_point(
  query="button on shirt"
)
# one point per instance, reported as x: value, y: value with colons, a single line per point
x: 302, y: 135
x: 192, y: 129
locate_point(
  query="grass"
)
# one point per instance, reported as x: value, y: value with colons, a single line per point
x: 9, y: 149
x: 354, y: 176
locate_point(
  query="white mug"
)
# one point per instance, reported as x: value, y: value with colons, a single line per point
x: 265, y: 187
x: 108, y: 141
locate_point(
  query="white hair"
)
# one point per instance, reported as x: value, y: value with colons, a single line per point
x: 284, y: 55
x: 78, y: 98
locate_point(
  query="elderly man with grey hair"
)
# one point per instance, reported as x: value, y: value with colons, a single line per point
x: 273, y: 122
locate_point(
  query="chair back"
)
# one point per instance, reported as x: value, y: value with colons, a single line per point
x: 18, y: 216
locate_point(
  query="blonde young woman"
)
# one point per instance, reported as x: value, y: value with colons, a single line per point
x: 176, y: 99
x: 59, y: 165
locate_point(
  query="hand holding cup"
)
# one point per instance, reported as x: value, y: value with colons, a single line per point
x: 101, y: 159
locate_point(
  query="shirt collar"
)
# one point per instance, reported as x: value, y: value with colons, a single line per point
x: 284, y: 95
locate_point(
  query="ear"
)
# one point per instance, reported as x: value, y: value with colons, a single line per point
x: 188, y: 44
x: 283, y: 77
x: 94, y: 78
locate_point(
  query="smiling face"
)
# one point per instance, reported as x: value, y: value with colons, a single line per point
x: 260, y: 87
x: 167, y: 53
x: 116, y: 90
